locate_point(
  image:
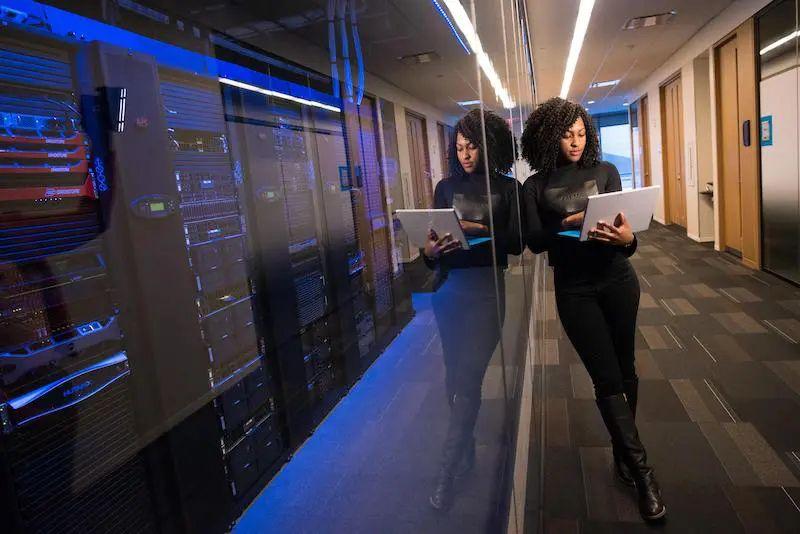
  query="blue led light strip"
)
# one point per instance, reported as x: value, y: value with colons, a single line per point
x: 452, y: 28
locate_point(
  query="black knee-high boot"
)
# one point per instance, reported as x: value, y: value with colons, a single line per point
x: 618, y: 418
x: 632, y: 396
x: 459, y: 438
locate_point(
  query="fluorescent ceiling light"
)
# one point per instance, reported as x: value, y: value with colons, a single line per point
x: 581, y: 25
x: 590, y: 102
x: 464, y: 24
x: 626, y: 104
x: 608, y: 83
x: 780, y: 42
x: 276, y: 94
x: 450, y: 24
x: 468, y: 102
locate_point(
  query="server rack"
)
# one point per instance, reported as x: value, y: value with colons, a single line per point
x: 347, y: 257
x: 218, y: 250
x: 188, y: 225
x: 289, y: 242
x: 68, y: 452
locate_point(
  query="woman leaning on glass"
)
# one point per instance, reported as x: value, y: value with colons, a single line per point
x: 596, y: 287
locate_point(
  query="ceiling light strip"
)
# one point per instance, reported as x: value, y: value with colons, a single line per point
x: 464, y: 24
x: 276, y: 94
x: 780, y: 42
x: 581, y: 25
x: 450, y: 24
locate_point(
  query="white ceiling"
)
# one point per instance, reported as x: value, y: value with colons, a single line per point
x: 610, y: 53
x: 390, y: 29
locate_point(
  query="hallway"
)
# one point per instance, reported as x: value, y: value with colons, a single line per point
x: 719, y: 363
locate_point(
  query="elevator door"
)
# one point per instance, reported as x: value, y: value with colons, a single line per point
x: 730, y: 175
x: 672, y: 113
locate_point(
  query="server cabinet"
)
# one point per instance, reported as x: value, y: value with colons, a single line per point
x: 180, y: 255
x: 68, y: 441
x: 217, y: 245
x: 289, y: 234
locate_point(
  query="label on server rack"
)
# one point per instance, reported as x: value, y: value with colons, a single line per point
x: 64, y: 392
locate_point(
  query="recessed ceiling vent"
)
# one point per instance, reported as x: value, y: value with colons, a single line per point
x: 650, y: 20
x: 421, y: 58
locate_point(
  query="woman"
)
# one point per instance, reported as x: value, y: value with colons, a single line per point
x: 465, y: 294
x: 596, y: 288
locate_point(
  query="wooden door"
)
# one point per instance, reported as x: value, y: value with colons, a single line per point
x: 672, y: 130
x: 420, y: 161
x: 730, y: 178
x: 644, y: 133
x: 738, y: 178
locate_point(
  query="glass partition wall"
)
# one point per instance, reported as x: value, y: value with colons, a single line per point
x: 211, y: 315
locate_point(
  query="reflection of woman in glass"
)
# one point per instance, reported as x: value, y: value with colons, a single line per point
x: 465, y: 303
x: 597, y: 290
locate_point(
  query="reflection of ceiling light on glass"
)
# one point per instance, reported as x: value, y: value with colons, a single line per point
x: 609, y: 83
x: 590, y: 102
x: 469, y: 102
x: 276, y: 94
x: 626, y: 104
x: 452, y: 28
x: 468, y: 30
x: 780, y: 42
x: 581, y: 25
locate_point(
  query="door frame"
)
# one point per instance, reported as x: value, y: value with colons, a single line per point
x: 643, y: 123
x: 665, y: 179
x: 634, y: 108
x: 644, y: 132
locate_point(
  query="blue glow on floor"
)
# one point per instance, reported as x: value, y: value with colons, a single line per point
x: 294, y: 498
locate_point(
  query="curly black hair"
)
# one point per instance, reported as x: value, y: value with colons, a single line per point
x: 543, y: 131
x: 498, y: 138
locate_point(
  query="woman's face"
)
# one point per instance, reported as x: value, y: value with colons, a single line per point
x: 573, y: 141
x: 468, y: 154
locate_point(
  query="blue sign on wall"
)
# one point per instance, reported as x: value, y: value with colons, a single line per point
x: 766, y: 131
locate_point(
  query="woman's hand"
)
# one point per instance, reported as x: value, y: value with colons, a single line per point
x: 435, y: 246
x: 573, y: 221
x: 473, y: 228
x: 619, y: 233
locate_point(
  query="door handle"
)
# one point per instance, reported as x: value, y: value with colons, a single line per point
x: 746, y: 133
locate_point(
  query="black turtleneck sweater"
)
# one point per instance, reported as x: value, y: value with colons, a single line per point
x: 467, y: 194
x: 549, y: 198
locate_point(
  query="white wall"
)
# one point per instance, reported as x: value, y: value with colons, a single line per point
x: 682, y: 61
x: 703, y: 150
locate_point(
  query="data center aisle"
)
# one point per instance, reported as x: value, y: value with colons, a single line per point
x: 719, y: 362
x: 371, y: 465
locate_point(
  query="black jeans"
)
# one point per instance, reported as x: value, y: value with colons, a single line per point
x: 465, y: 307
x: 598, y: 312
